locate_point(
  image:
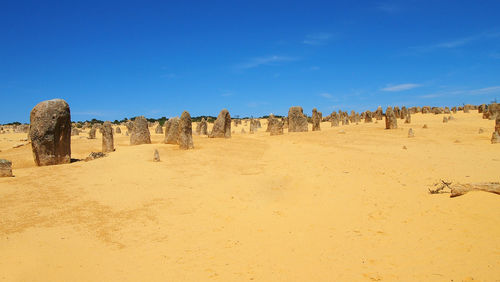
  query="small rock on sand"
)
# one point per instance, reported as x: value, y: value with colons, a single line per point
x: 156, y: 156
x: 5, y: 168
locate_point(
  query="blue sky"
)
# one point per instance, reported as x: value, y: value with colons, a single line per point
x: 115, y: 59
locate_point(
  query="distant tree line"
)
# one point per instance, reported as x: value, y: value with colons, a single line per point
x: 13, y: 123
x: 161, y: 120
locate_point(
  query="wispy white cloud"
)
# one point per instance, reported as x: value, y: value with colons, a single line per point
x: 226, y: 94
x: 400, y: 87
x: 458, y: 42
x: 486, y: 90
x: 326, y: 95
x: 443, y: 94
x: 265, y: 61
x: 320, y: 38
x: 479, y: 91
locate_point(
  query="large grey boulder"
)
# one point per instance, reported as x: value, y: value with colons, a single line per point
x: 107, y: 137
x: 391, y: 122
x: 222, y: 125
x: 297, y: 121
x: 316, y: 120
x: 50, y: 132
x: 274, y: 126
x: 334, y: 119
x: 271, y: 120
x: 172, y: 131
x: 140, y: 132
x: 378, y: 114
x: 201, y: 127
x: 368, y: 116
x: 277, y: 128
x: 185, y: 132
x: 493, y: 111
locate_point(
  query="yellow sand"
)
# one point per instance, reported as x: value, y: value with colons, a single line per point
x: 315, y: 206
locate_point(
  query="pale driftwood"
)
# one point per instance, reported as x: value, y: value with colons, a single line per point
x: 459, y: 189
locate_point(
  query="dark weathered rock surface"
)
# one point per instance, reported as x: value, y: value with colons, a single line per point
x: 297, y: 121
x: 107, y: 137
x: 222, y: 125
x: 172, y: 131
x: 5, y: 168
x: 378, y: 114
x: 316, y: 120
x: 391, y: 122
x: 495, y: 138
x: 334, y: 119
x: 275, y: 126
x: 185, y: 132
x: 368, y: 116
x: 50, y: 132
x: 140, y: 132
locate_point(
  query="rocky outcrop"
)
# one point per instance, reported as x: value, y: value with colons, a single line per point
x: 107, y: 137
x: 50, y: 132
x: 172, y: 131
x: 391, y: 122
x: 222, y: 125
x: 5, y: 168
x: 140, y: 132
x: 316, y: 120
x: 297, y: 121
x: 185, y: 132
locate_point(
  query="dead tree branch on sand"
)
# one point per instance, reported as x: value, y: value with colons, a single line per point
x: 458, y: 189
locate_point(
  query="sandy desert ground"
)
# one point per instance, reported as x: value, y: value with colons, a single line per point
x: 315, y: 206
